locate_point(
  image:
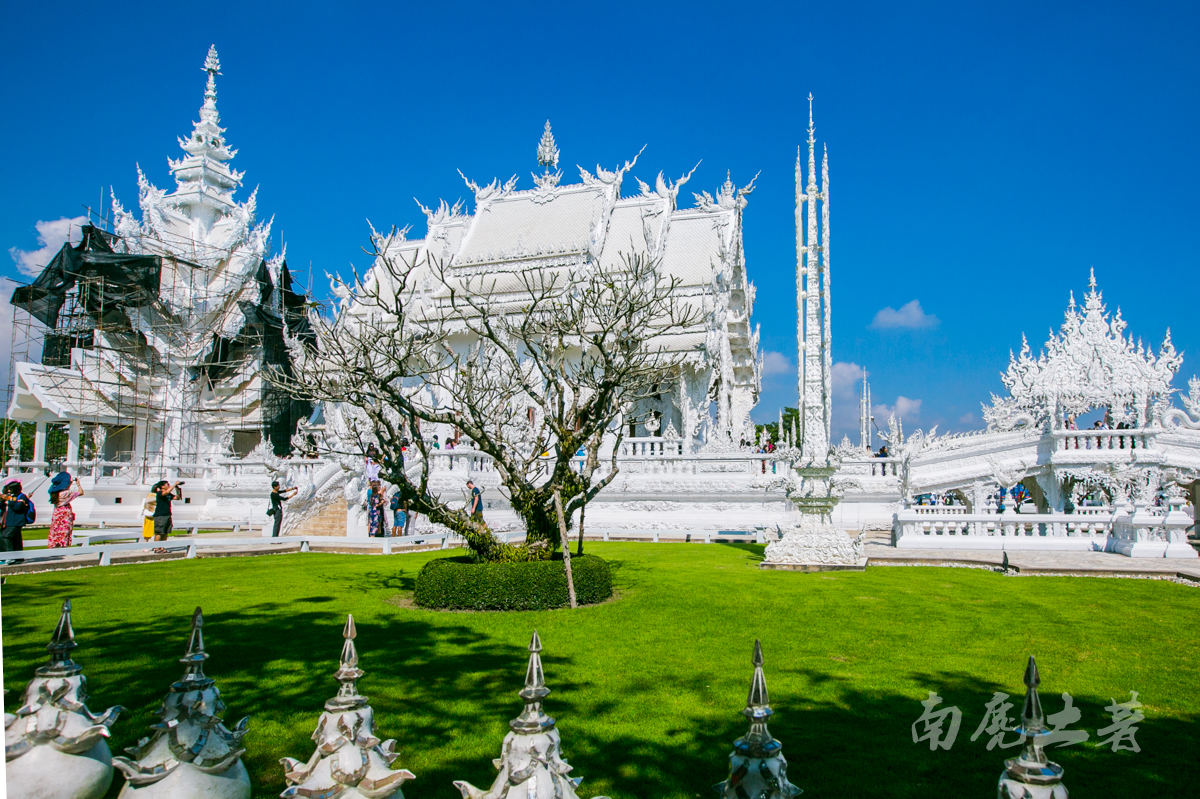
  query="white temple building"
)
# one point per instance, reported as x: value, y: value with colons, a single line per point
x: 557, y: 227
x: 158, y: 332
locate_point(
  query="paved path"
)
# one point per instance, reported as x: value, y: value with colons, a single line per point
x: 880, y: 550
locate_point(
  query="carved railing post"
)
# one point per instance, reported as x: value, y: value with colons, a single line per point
x: 757, y: 767
x: 1031, y: 775
x: 191, y: 755
x: 349, y: 761
x: 54, y: 745
x: 531, y: 762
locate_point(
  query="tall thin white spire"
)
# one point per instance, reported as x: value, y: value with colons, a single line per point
x: 813, y: 323
x: 864, y: 414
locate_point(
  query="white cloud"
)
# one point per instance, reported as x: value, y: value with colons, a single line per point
x: 51, y: 237
x: 847, y: 379
x: 907, y: 409
x: 910, y: 317
x: 776, y: 363
x: 968, y: 418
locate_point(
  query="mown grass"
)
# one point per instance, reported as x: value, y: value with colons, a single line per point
x: 648, y: 687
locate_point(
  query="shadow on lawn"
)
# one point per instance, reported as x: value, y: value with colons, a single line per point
x: 756, y: 550
x: 446, y: 691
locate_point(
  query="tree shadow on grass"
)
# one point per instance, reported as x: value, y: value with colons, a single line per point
x: 756, y: 550
x: 446, y: 691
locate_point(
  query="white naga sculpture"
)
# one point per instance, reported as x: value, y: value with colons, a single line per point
x: 349, y: 761
x: 54, y: 747
x: 757, y: 767
x: 191, y: 754
x: 531, y: 764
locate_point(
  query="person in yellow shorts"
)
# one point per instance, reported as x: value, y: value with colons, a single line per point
x: 148, y: 517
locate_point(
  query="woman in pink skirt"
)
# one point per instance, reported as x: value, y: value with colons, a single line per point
x: 62, y: 524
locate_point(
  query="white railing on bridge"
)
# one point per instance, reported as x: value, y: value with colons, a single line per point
x: 650, y: 447
x: 875, y: 467
x: 1132, y: 439
x: 1140, y: 532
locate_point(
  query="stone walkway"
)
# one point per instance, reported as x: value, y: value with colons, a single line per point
x: 880, y: 551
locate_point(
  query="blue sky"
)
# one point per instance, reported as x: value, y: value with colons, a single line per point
x: 983, y: 156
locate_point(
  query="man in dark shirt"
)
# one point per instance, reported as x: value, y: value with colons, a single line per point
x: 14, y: 510
x: 164, y: 494
x: 278, y: 497
x: 475, y: 508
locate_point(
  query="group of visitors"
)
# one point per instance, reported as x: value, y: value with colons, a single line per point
x: 17, y: 511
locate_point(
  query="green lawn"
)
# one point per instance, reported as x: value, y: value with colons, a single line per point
x: 648, y: 688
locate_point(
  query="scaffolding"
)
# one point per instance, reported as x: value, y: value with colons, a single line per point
x: 140, y: 359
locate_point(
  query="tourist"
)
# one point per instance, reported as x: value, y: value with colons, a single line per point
x: 475, y: 508
x: 278, y: 497
x: 371, y: 470
x: 16, y: 511
x: 164, y: 494
x: 436, y: 445
x: 148, y: 516
x: 376, y: 519
x: 62, y: 524
x: 399, y: 509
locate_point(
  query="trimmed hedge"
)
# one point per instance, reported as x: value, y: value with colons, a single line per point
x: 461, y: 584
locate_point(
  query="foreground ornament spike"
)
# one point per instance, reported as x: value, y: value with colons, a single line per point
x: 757, y: 767
x: 53, y: 745
x: 531, y: 764
x: 1032, y: 776
x: 191, y: 753
x: 349, y: 761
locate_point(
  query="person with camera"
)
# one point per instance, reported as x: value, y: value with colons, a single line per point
x: 164, y: 494
x: 278, y: 497
x: 16, y: 511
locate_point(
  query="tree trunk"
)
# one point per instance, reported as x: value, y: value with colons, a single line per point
x: 566, y: 550
x: 579, y: 549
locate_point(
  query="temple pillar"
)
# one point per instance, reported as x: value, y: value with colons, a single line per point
x: 39, y: 443
x: 138, y: 459
x: 73, y: 444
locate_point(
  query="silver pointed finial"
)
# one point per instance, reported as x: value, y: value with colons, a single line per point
x: 532, y: 718
x: 193, y: 659
x: 758, y: 741
x: 348, y: 673
x: 1032, y: 719
x: 1032, y: 767
x: 1092, y: 279
x: 62, y: 641
x: 811, y: 128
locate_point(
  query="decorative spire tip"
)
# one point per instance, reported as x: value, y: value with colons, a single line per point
x: 211, y: 62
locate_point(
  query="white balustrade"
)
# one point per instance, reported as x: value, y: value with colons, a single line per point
x: 1154, y: 531
x: 1132, y: 439
x: 651, y: 447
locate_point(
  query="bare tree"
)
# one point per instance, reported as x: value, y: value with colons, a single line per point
x: 532, y: 370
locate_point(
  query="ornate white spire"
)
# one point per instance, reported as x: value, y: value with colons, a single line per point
x: 864, y: 415
x: 547, y: 156
x: 813, y: 322
x: 205, y: 181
